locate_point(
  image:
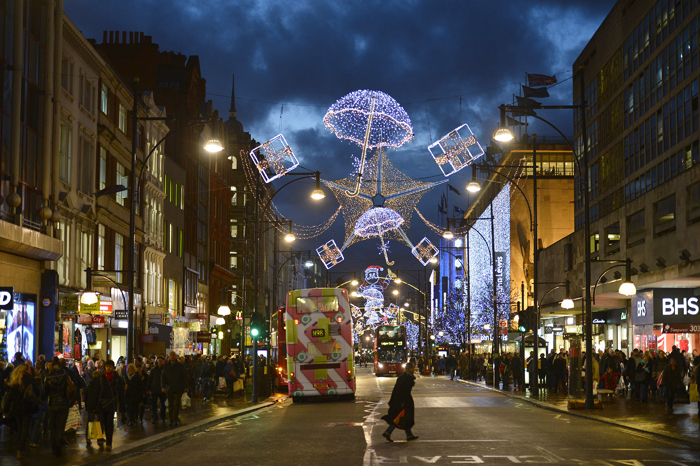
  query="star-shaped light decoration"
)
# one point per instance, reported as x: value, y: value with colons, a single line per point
x: 389, y: 189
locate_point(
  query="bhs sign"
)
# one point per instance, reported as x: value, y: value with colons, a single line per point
x: 665, y: 306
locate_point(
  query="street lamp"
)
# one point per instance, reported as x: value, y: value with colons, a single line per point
x: 308, y: 264
x: 220, y: 321
x: 503, y: 134
x: 318, y: 192
x: 213, y: 146
x: 289, y: 237
x: 627, y: 288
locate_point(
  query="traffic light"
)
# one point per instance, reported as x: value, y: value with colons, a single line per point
x: 256, y: 325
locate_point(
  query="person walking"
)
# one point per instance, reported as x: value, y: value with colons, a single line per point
x: 230, y: 375
x: 22, y: 404
x: 133, y: 393
x: 173, y: 382
x: 672, y: 380
x: 91, y: 396
x: 516, y: 369
x: 402, y: 401
x: 451, y: 365
x: 57, y: 385
x: 107, y: 399
x: 207, y: 374
x: 464, y: 366
x: 642, y: 378
x: 154, y: 388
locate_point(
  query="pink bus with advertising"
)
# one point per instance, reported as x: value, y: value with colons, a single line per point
x: 319, y: 343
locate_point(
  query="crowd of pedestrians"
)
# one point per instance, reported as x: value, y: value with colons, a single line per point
x: 38, y: 398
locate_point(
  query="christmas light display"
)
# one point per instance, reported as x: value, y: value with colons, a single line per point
x: 412, y: 330
x: 274, y: 158
x: 456, y: 150
x: 330, y: 254
x: 390, y: 189
x: 275, y: 217
x: 424, y: 251
x: 371, y: 119
x: 480, y: 264
x: 377, y: 221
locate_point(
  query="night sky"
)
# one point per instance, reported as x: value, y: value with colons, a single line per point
x: 446, y: 62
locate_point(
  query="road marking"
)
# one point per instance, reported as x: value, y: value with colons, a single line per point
x: 367, y: 428
x: 461, y: 440
x: 558, y: 416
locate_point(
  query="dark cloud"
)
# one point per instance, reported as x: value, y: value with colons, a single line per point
x: 447, y: 62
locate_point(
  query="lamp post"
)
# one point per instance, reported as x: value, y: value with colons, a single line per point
x: 504, y: 134
x: 212, y: 145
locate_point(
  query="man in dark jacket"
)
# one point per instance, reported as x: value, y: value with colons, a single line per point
x: 106, y: 399
x: 231, y: 376
x: 451, y: 365
x: 401, y: 400
x: 207, y: 374
x: 516, y: 369
x: 173, y: 382
x: 56, y: 386
x: 155, y: 389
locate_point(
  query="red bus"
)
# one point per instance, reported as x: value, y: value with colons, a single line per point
x: 390, y: 352
x: 278, y: 345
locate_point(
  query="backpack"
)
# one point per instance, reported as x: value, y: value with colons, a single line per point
x: 71, y: 390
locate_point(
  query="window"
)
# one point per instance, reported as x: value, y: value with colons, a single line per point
x: 122, y: 118
x: 665, y: 216
x: 234, y: 196
x: 104, y: 99
x: 635, y: 228
x: 177, y: 193
x: 234, y: 260
x: 122, y: 179
x: 170, y: 238
x: 103, y: 168
x: 87, y: 92
x: 63, y: 264
x: 595, y: 242
x: 234, y: 162
x: 118, y: 255
x: 693, y: 203
x: 67, y: 75
x: 85, y: 179
x: 85, y: 256
x: 182, y: 197
x: 612, y: 239
x: 100, y: 247
x: 65, y: 152
x: 182, y: 244
x: 568, y: 256
x: 234, y: 229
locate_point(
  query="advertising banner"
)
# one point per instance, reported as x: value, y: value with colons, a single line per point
x: 20, y: 326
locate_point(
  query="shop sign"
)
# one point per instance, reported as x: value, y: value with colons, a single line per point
x: 68, y: 303
x: 98, y: 321
x: 548, y: 329
x: 203, y: 337
x: 106, y: 307
x: 121, y: 314
x: 681, y: 328
x: 146, y: 338
x: 557, y: 328
x: 90, y: 308
x: 598, y: 321
x: 195, y: 326
x: 85, y: 319
x: 623, y: 316
x: 7, y: 298
x: 203, y: 317
x: 665, y: 305
x: 155, y: 318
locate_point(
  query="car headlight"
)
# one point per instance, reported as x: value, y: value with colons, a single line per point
x: 380, y: 365
x: 403, y: 365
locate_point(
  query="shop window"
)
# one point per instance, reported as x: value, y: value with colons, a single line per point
x: 693, y: 203
x: 612, y: 239
x: 635, y: 228
x: 665, y: 216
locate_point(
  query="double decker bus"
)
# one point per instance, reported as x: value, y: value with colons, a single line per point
x: 319, y: 343
x: 390, y: 352
x: 278, y: 346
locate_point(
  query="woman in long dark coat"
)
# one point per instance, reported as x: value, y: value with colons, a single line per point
x: 401, y: 400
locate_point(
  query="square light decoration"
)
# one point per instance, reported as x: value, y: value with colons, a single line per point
x: 330, y: 254
x: 424, y: 251
x: 274, y: 158
x: 456, y: 150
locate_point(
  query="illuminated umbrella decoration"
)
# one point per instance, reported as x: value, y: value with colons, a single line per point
x: 371, y: 119
x: 376, y: 222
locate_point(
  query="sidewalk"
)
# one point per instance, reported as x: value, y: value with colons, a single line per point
x: 650, y: 417
x: 196, y: 418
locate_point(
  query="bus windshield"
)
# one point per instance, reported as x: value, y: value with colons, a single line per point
x: 391, y: 355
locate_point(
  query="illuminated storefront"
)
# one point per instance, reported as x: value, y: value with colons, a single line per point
x: 664, y: 317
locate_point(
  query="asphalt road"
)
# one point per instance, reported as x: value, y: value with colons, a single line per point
x: 457, y: 424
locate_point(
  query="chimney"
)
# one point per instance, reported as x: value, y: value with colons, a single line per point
x: 104, y: 37
x: 111, y: 37
x: 141, y: 38
x: 123, y: 37
x: 131, y: 37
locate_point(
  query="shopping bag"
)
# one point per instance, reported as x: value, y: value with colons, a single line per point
x: 73, y: 421
x: 186, y: 401
x: 222, y: 384
x: 399, y: 420
x: 693, y: 392
x: 238, y: 385
x: 95, y: 430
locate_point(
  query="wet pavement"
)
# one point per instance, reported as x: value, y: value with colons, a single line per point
x: 125, y: 438
x: 650, y: 417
